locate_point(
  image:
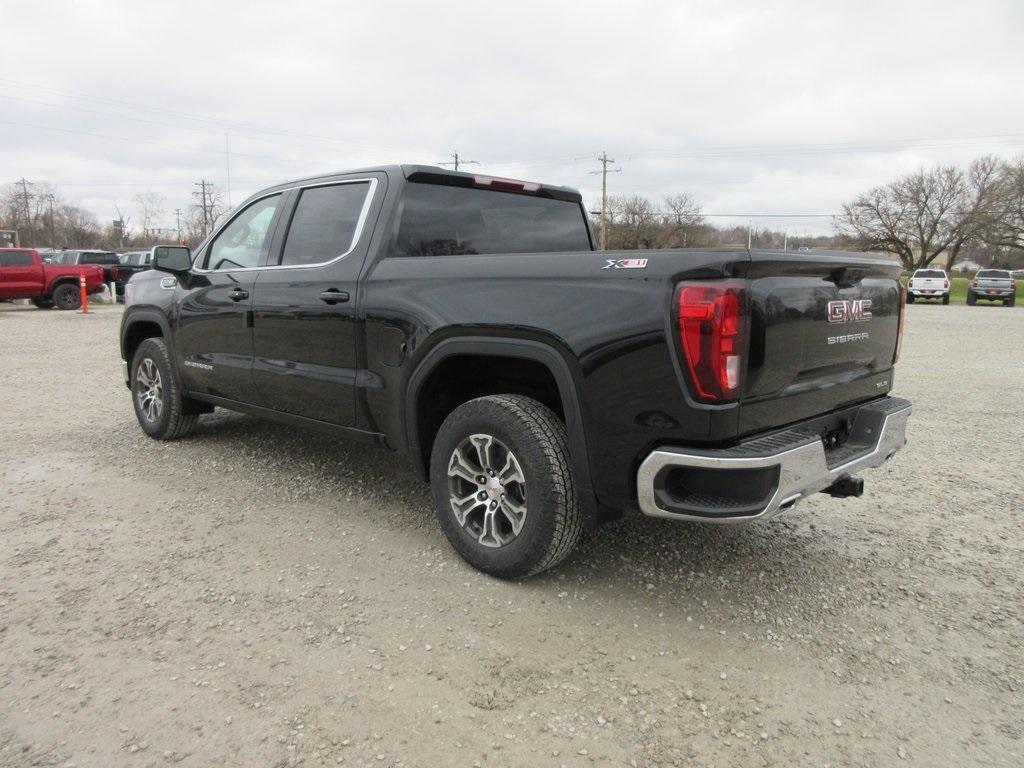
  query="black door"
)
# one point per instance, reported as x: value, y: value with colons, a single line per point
x: 214, y: 337
x: 304, y: 308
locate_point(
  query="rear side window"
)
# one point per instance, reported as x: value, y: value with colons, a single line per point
x: 930, y: 273
x: 324, y: 224
x: 439, y: 220
x: 997, y: 273
x: 16, y: 259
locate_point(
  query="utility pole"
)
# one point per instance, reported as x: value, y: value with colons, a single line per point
x: 202, y: 184
x: 53, y: 236
x: 785, y: 240
x: 177, y: 217
x: 227, y: 166
x: 750, y: 234
x: 456, y: 161
x: 604, y: 160
x: 26, y: 198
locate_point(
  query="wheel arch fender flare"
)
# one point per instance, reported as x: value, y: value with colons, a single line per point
x: 134, y: 317
x: 537, y: 351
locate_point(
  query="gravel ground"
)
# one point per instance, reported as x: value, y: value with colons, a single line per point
x: 254, y: 596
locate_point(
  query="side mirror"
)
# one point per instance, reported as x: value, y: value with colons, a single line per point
x: 176, y: 259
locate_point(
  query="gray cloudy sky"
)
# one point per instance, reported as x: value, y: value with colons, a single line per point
x: 760, y: 107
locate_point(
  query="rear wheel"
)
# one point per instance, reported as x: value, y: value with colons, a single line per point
x: 971, y: 298
x: 67, y: 296
x: 162, y: 411
x: 1010, y: 301
x: 910, y: 298
x: 504, y: 491
x: 945, y: 298
x: 42, y: 302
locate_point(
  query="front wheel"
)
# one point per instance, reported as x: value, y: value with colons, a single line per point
x: 162, y: 411
x: 504, y: 491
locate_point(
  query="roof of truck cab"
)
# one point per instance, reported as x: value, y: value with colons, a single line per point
x: 404, y: 172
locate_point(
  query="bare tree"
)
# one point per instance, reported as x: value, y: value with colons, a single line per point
x: 149, y: 210
x: 928, y: 213
x: 681, y: 216
x: 1006, y: 226
x: 634, y: 222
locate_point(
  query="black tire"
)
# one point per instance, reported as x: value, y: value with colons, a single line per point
x: 1010, y: 301
x: 910, y: 298
x: 67, y: 296
x: 42, y: 302
x: 176, y: 415
x: 535, y: 437
x: 971, y: 298
x: 945, y: 299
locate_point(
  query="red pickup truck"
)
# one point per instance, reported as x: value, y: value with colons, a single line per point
x: 24, y: 275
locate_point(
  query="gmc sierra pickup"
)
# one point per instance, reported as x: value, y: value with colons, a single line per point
x: 539, y: 385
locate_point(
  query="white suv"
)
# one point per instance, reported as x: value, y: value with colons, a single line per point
x: 928, y: 284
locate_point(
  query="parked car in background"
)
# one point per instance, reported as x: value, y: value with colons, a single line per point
x: 113, y: 270
x: 928, y: 284
x: 137, y: 258
x: 993, y: 285
x: 24, y: 275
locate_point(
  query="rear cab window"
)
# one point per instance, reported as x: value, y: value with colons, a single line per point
x: 442, y: 220
x: 16, y: 259
x: 325, y: 224
x: 105, y: 259
x: 999, y: 274
x: 930, y: 273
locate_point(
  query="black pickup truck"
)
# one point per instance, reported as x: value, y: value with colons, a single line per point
x: 540, y: 386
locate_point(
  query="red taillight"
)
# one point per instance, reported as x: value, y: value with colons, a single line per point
x: 974, y: 283
x: 945, y: 283
x: 1013, y: 285
x: 711, y: 334
x: 899, y: 327
x: 115, y: 272
x: 910, y: 284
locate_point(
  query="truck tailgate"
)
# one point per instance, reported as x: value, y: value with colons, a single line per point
x: 823, y: 332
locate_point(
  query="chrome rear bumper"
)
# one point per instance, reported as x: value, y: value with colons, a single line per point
x: 786, y: 467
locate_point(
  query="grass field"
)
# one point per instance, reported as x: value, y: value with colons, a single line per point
x: 958, y: 291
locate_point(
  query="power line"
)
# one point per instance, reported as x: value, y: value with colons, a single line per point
x: 193, y: 117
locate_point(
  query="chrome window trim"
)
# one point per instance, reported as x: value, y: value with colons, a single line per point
x: 360, y: 223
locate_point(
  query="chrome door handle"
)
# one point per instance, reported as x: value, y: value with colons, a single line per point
x: 238, y: 294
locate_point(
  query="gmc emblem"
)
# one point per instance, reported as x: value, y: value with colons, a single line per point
x: 849, y: 311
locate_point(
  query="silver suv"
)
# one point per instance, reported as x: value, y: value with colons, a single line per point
x: 993, y: 285
x: 928, y: 284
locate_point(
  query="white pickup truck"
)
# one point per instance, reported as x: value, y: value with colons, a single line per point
x: 928, y: 284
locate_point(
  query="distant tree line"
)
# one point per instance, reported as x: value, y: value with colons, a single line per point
x: 944, y: 211
x: 43, y: 218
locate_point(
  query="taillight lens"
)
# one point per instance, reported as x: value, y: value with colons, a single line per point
x: 712, y: 337
x: 974, y: 283
x: 945, y: 283
x: 899, y: 327
x: 115, y: 272
x: 910, y: 284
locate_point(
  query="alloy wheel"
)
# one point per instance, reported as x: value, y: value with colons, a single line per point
x: 487, y: 490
